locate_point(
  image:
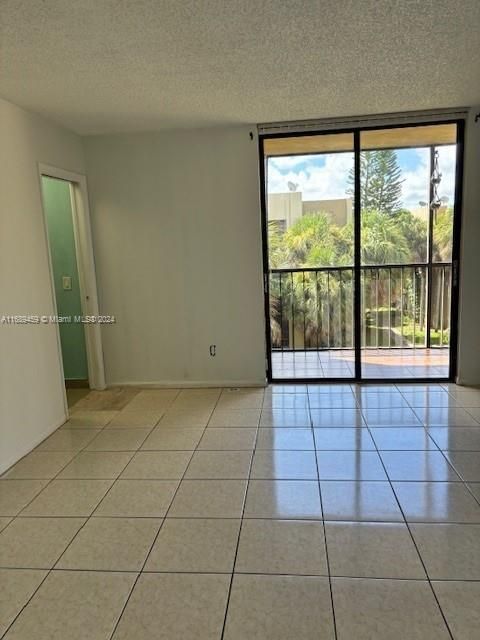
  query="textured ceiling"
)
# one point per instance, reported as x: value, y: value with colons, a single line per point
x: 100, y: 66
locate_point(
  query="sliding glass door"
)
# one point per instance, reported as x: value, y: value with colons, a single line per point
x: 310, y: 232
x: 361, y: 244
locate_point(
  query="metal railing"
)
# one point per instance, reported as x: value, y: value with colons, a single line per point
x: 312, y: 308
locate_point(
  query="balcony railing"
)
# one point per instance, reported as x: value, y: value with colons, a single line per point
x: 404, y: 306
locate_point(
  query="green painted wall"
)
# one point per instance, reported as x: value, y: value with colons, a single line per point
x: 56, y: 195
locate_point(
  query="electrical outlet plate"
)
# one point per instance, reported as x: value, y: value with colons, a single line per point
x: 67, y: 283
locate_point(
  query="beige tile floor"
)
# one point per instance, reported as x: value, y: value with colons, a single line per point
x: 310, y: 511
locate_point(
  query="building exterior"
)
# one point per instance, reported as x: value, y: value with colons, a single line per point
x: 288, y: 207
x: 339, y: 210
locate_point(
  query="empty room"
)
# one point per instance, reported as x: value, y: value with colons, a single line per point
x: 239, y: 320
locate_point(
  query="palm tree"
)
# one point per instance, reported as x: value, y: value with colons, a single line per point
x: 382, y: 240
x: 443, y: 235
x: 309, y: 242
x: 415, y: 232
x: 320, y: 300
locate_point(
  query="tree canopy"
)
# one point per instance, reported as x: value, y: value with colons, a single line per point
x: 390, y: 234
x: 314, y: 241
x: 380, y: 181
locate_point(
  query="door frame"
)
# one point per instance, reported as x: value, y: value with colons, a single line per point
x: 456, y: 247
x: 86, y: 272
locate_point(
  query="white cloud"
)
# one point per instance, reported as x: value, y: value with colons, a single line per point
x: 416, y: 185
x: 330, y: 180
x: 284, y: 163
x: 316, y: 182
x: 447, y: 157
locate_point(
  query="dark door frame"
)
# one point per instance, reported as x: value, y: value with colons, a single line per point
x: 457, y: 206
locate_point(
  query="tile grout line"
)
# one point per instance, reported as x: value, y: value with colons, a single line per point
x: 229, y: 593
x: 55, y: 477
x: 158, y: 532
x: 118, y: 477
x: 87, y: 518
x: 49, y: 571
x: 61, y: 429
x: 299, y: 519
x: 426, y: 428
x: 464, y: 482
x: 327, y: 559
x: 414, y: 542
x: 246, y: 573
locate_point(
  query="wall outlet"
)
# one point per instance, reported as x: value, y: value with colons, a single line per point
x: 67, y: 283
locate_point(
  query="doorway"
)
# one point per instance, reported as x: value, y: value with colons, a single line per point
x: 57, y: 199
x: 72, y: 270
x: 361, y: 242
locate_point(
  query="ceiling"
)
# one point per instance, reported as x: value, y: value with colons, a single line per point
x: 101, y: 66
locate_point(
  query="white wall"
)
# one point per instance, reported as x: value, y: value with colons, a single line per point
x: 469, y: 320
x: 177, y: 239
x: 31, y: 386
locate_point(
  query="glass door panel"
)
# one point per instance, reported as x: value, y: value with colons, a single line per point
x: 309, y: 205
x: 407, y: 180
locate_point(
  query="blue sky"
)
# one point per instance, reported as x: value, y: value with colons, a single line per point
x: 324, y: 177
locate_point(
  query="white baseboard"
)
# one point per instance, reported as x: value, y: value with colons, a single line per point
x: 186, y: 384
x: 5, y: 465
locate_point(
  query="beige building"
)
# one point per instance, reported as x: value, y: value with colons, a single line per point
x: 290, y: 206
x: 285, y: 207
x: 340, y: 210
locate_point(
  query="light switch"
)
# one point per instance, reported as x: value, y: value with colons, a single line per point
x: 67, y: 283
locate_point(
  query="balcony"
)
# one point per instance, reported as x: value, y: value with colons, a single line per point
x: 405, y: 321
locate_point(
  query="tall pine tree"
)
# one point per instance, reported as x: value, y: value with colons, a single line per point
x: 380, y: 181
